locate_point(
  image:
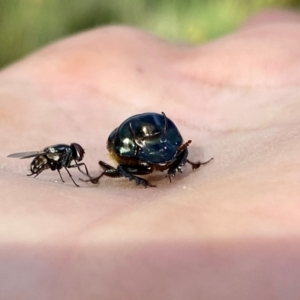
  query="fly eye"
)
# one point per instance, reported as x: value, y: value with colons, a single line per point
x: 78, y: 151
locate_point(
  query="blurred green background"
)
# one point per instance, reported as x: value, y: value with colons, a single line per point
x: 29, y: 24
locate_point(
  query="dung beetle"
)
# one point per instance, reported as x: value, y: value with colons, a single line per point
x: 55, y: 157
x: 144, y: 143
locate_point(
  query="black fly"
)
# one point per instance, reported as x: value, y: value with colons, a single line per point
x: 55, y: 157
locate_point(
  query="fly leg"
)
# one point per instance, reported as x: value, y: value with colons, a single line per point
x: 69, y: 175
x: 78, y: 165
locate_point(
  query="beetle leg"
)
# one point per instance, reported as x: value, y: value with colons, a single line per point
x: 127, y: 171
x: 181, y: 161
x: 183, y: 146
x: 166, y: 122
x: 107, y: 171
x: 197, y: 164
x: 124, y: 170
x: 177, y: 164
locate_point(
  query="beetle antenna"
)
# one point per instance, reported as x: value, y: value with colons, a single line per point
x: 166, y: 122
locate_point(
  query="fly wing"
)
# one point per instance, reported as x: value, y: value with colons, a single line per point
x: 23, y: 155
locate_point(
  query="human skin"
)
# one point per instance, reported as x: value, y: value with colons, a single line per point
x: 229, y: 230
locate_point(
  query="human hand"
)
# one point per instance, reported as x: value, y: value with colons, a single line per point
x: 228, y: 230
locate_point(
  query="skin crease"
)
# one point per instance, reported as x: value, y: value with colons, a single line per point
x: 229, y: 230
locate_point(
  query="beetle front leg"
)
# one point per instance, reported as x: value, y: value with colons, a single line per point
x: 181, y: 161
x: 177, y: 164
x: 107, y: 171
x: 127, y: 170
